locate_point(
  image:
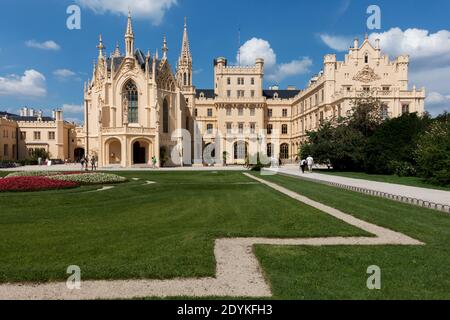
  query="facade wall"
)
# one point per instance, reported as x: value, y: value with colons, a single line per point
x: 8, y: 140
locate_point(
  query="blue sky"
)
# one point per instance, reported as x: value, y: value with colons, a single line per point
x: 44, y: 65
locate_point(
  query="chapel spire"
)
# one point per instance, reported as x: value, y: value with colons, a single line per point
x: 100, y: 47
x: 184, y: 66
x: 185, y: 55
x: 129, y: 37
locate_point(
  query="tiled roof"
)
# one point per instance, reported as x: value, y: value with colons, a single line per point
x: 208, y: 93
x: 282, y: 94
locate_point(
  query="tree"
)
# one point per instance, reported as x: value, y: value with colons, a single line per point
x: 390, y: 149
x: 433, y: 152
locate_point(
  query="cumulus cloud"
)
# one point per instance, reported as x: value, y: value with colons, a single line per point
x: 151, y: 9
x: 338, y: 43
x: 46, y: 45
x: 31, y: 84
x: 437, y: 103
x: 259, y: 48
x: 293, y: 68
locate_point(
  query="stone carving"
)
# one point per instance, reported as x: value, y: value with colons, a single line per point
x: 366, y: 75
x: 125, y: 110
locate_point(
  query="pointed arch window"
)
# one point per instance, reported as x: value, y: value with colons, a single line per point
x: 366, y: 58
x: 165, y: 116
x: 185, y: 79
x: 130, y: 93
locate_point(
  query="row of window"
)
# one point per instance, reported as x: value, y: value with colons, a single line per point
x: 240, y: 150
x: 6, y: 133
x: 241, y: 93
x: 252, y: 125
x: 241, y: 81
x: 6, y: 150
x: 23, y: 135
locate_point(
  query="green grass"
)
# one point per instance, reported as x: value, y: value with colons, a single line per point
x: 408, y: 272
x: 407, y: 181
x: 164, y: 230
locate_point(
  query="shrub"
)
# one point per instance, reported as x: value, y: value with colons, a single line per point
x: 22, y: 184
x: 91, y: 178
x: 402, y: 168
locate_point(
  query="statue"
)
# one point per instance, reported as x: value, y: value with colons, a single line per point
x: 125, y: 110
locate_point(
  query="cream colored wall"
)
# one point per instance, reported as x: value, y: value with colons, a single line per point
x: 8, y: 139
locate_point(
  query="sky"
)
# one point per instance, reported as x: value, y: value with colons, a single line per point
x: 43, y: 64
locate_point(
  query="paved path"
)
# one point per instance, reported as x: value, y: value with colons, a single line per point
x: 77, y: 167
x: 238, y: 273
x: 423, y: 194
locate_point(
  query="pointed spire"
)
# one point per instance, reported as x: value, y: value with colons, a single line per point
x: 100, y: 46
x: 129, y: 38
x: 117, y: 53
x: 164, y: 48
x: 185, y: 48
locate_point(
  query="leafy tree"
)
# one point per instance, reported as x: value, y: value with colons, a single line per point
x: 433, y: 152
x: 390, y: 149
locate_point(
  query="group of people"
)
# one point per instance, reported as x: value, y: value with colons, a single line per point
x: 84, y: 161
x: 307, y: 163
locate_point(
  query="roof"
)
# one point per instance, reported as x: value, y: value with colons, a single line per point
x: 138, y: 54
x: 208, y: 93
x: 16, y: 117
x: 282, y: 94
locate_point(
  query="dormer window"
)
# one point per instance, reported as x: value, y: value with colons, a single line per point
x: 202, y: 94
x: 275, y: 95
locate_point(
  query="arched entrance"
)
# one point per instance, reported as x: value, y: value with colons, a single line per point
x: 140, y: 152
x: 78, y: 154
x: 114, y: 149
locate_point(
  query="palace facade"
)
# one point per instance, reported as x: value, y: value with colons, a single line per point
x: 136, y: 107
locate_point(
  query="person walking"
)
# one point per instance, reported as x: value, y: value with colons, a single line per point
x: 310, y: 163
x: 82, y: 163
x: 154, y: 162
x: 303, y: 165
x: 93, y: 163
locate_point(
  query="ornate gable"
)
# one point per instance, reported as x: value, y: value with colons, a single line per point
x: 165, y: 78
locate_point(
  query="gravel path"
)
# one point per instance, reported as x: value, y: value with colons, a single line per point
x: 238, y: 273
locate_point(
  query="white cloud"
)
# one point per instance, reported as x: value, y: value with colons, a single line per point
x: 152, y: 9
x: 259, y: 48
x: 63, y: 73
x: 338, y: 43
x: 437, y: 103
x: 72, y: 108
x: 419, y: 44
x: 292, y: 68
x: 30, y: 84
x: 46, y: 45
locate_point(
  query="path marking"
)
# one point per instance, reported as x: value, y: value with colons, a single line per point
x: 238, y: 273
x: 102, y: 189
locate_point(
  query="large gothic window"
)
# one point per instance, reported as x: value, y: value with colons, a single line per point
x: 131, y: 95
x: 165, y: 116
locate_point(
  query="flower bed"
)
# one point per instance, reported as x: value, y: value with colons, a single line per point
x: 33, y: 174
x: 91, y: 178
x: 21, y: 184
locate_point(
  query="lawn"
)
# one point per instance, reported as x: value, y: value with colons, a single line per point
x: 164, y: 230
x: 407, y: 181
x: 340, y: 272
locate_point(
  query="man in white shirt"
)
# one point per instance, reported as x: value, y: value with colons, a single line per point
x: 310, y: 162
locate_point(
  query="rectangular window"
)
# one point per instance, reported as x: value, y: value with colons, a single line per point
x: 269, y: 113
x: 253, y: 81
x: 241, y: 128
x: 386, y: 89
x: 210, y: 112
x: 252, y: 112
x: 228, y: 81
x: 196, y: 112
x: 240, y: 112
x: 23, y: 136
x: 209, y: 128
x: 229, y: 93
x: 5, y: 150
x: 284, y: 129
x: 285, y: 113
x: 269, y: 128
x: 37, y: 135
x: 228, y: 112
x: 252, y: 127
x: 240, y: 93
x: 229, y: 127
x: 51, y: 135
x: 405, y: 108
x: 252, y: 93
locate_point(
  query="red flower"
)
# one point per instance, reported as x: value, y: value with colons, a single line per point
x: 22, y: 184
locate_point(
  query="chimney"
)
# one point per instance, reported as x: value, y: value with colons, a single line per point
x: 291, y: 88
x: 356, y: 44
